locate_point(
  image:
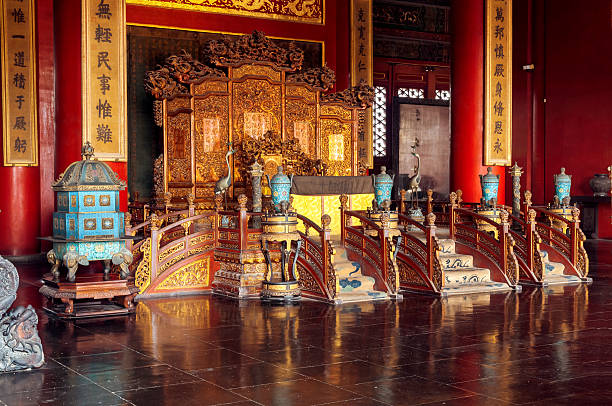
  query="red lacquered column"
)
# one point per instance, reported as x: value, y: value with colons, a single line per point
x: 20, y: 205
x: 467, y: 98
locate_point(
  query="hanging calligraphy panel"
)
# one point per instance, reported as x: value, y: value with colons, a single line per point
x: 498, y: 83
x: 305, y: 11
x: 361, y: 69
x: 103, y: 77
x: 19, y: 119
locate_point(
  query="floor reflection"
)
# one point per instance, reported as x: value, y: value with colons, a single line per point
x: 546, y: 345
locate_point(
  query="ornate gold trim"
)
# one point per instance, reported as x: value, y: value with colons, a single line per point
x: 172, y: 27
x: 252, y: 13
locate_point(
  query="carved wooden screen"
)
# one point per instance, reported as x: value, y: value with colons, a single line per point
x: 256, y: 97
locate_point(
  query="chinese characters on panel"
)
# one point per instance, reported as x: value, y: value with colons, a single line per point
x: 361, y: 69
x: 498, y: 92
x: 104, y: 77
x: 20, y: 129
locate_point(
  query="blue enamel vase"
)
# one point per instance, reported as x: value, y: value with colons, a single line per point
x: 489, y: 184
x: 383, y: 184
x: 280, y: 185
x: 563, y: 183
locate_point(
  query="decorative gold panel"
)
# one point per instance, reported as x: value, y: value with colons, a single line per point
x: 195, y: 275
x: 338, y: 111
x: 258, y: 70
x: 211, y: 137
x: 179, y: 148
x: 332, y: 132
x: 259, y: 97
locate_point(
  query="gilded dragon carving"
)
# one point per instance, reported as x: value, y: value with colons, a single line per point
x: 255, y: 47
x: 321, y: 78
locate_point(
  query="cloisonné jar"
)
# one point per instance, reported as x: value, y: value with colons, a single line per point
x: 383, y: 183
x: 563, y: 183
x: 280, y: 185
x: 489, y: 184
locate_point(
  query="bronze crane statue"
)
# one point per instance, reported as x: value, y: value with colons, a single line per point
x: 225, y: 182
x: 414, y: 180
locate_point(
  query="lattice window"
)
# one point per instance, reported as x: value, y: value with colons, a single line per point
x: 379, y: 121
x: 442, y: 94
x: 412, y: 92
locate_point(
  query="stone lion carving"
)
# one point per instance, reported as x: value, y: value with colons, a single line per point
x: 20, y: 346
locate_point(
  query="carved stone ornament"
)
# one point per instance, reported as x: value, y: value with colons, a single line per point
x: 361, y: 95
x: 255, y: 47
x: 20, y: 346
x: 320, y: 78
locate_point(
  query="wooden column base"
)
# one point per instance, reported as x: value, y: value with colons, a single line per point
x: 89, y: 296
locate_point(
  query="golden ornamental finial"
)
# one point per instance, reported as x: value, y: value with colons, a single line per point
x: 343, y: 202
x: 431, y: 219
x: 453, y: 199
x: 325, y: 222
x: 87, y: 151
x: 528, y: 198
x: 242, y: 202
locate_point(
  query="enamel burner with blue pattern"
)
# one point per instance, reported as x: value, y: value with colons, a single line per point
x: 489, y: 184
x: 280, y: 185
x: 383, y: 184
x: 563, y: 184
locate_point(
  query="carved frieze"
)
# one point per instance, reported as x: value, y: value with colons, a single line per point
x: 255, y: 47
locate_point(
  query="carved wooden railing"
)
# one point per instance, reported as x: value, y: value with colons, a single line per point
x: 527, y: 246
x: 498, y: 252
x: 418, y: 260
x: 178, y: 256
x: 316, y: 271
x: 379, y: 252
x: 570, y: 245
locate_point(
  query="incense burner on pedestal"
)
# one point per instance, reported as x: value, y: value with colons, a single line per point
x: 280, y: 228
x: 489, y: 185
x: 383, y: 184
x: 88, y: 226
x: 561, y: 200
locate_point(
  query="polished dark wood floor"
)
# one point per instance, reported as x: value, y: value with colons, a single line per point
x: 548, y: 346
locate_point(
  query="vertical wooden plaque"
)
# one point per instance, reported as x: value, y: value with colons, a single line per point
x: 361, y: 69
x: 498, y: 83
x: 103, y: 78
x: 19, y: 101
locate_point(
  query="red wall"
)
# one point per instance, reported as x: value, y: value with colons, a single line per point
x: 562, y: 109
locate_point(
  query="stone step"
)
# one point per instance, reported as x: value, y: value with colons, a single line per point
x: 553, y: 268
x: 357, y: 283
x: 481, y: 287
x: 466, y: 276
x: 560, y: 279
x: 456, y: 261
x: 447, y: 246
x: 348, y: 297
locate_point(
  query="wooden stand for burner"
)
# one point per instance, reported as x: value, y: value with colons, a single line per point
x: 89, y: 296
